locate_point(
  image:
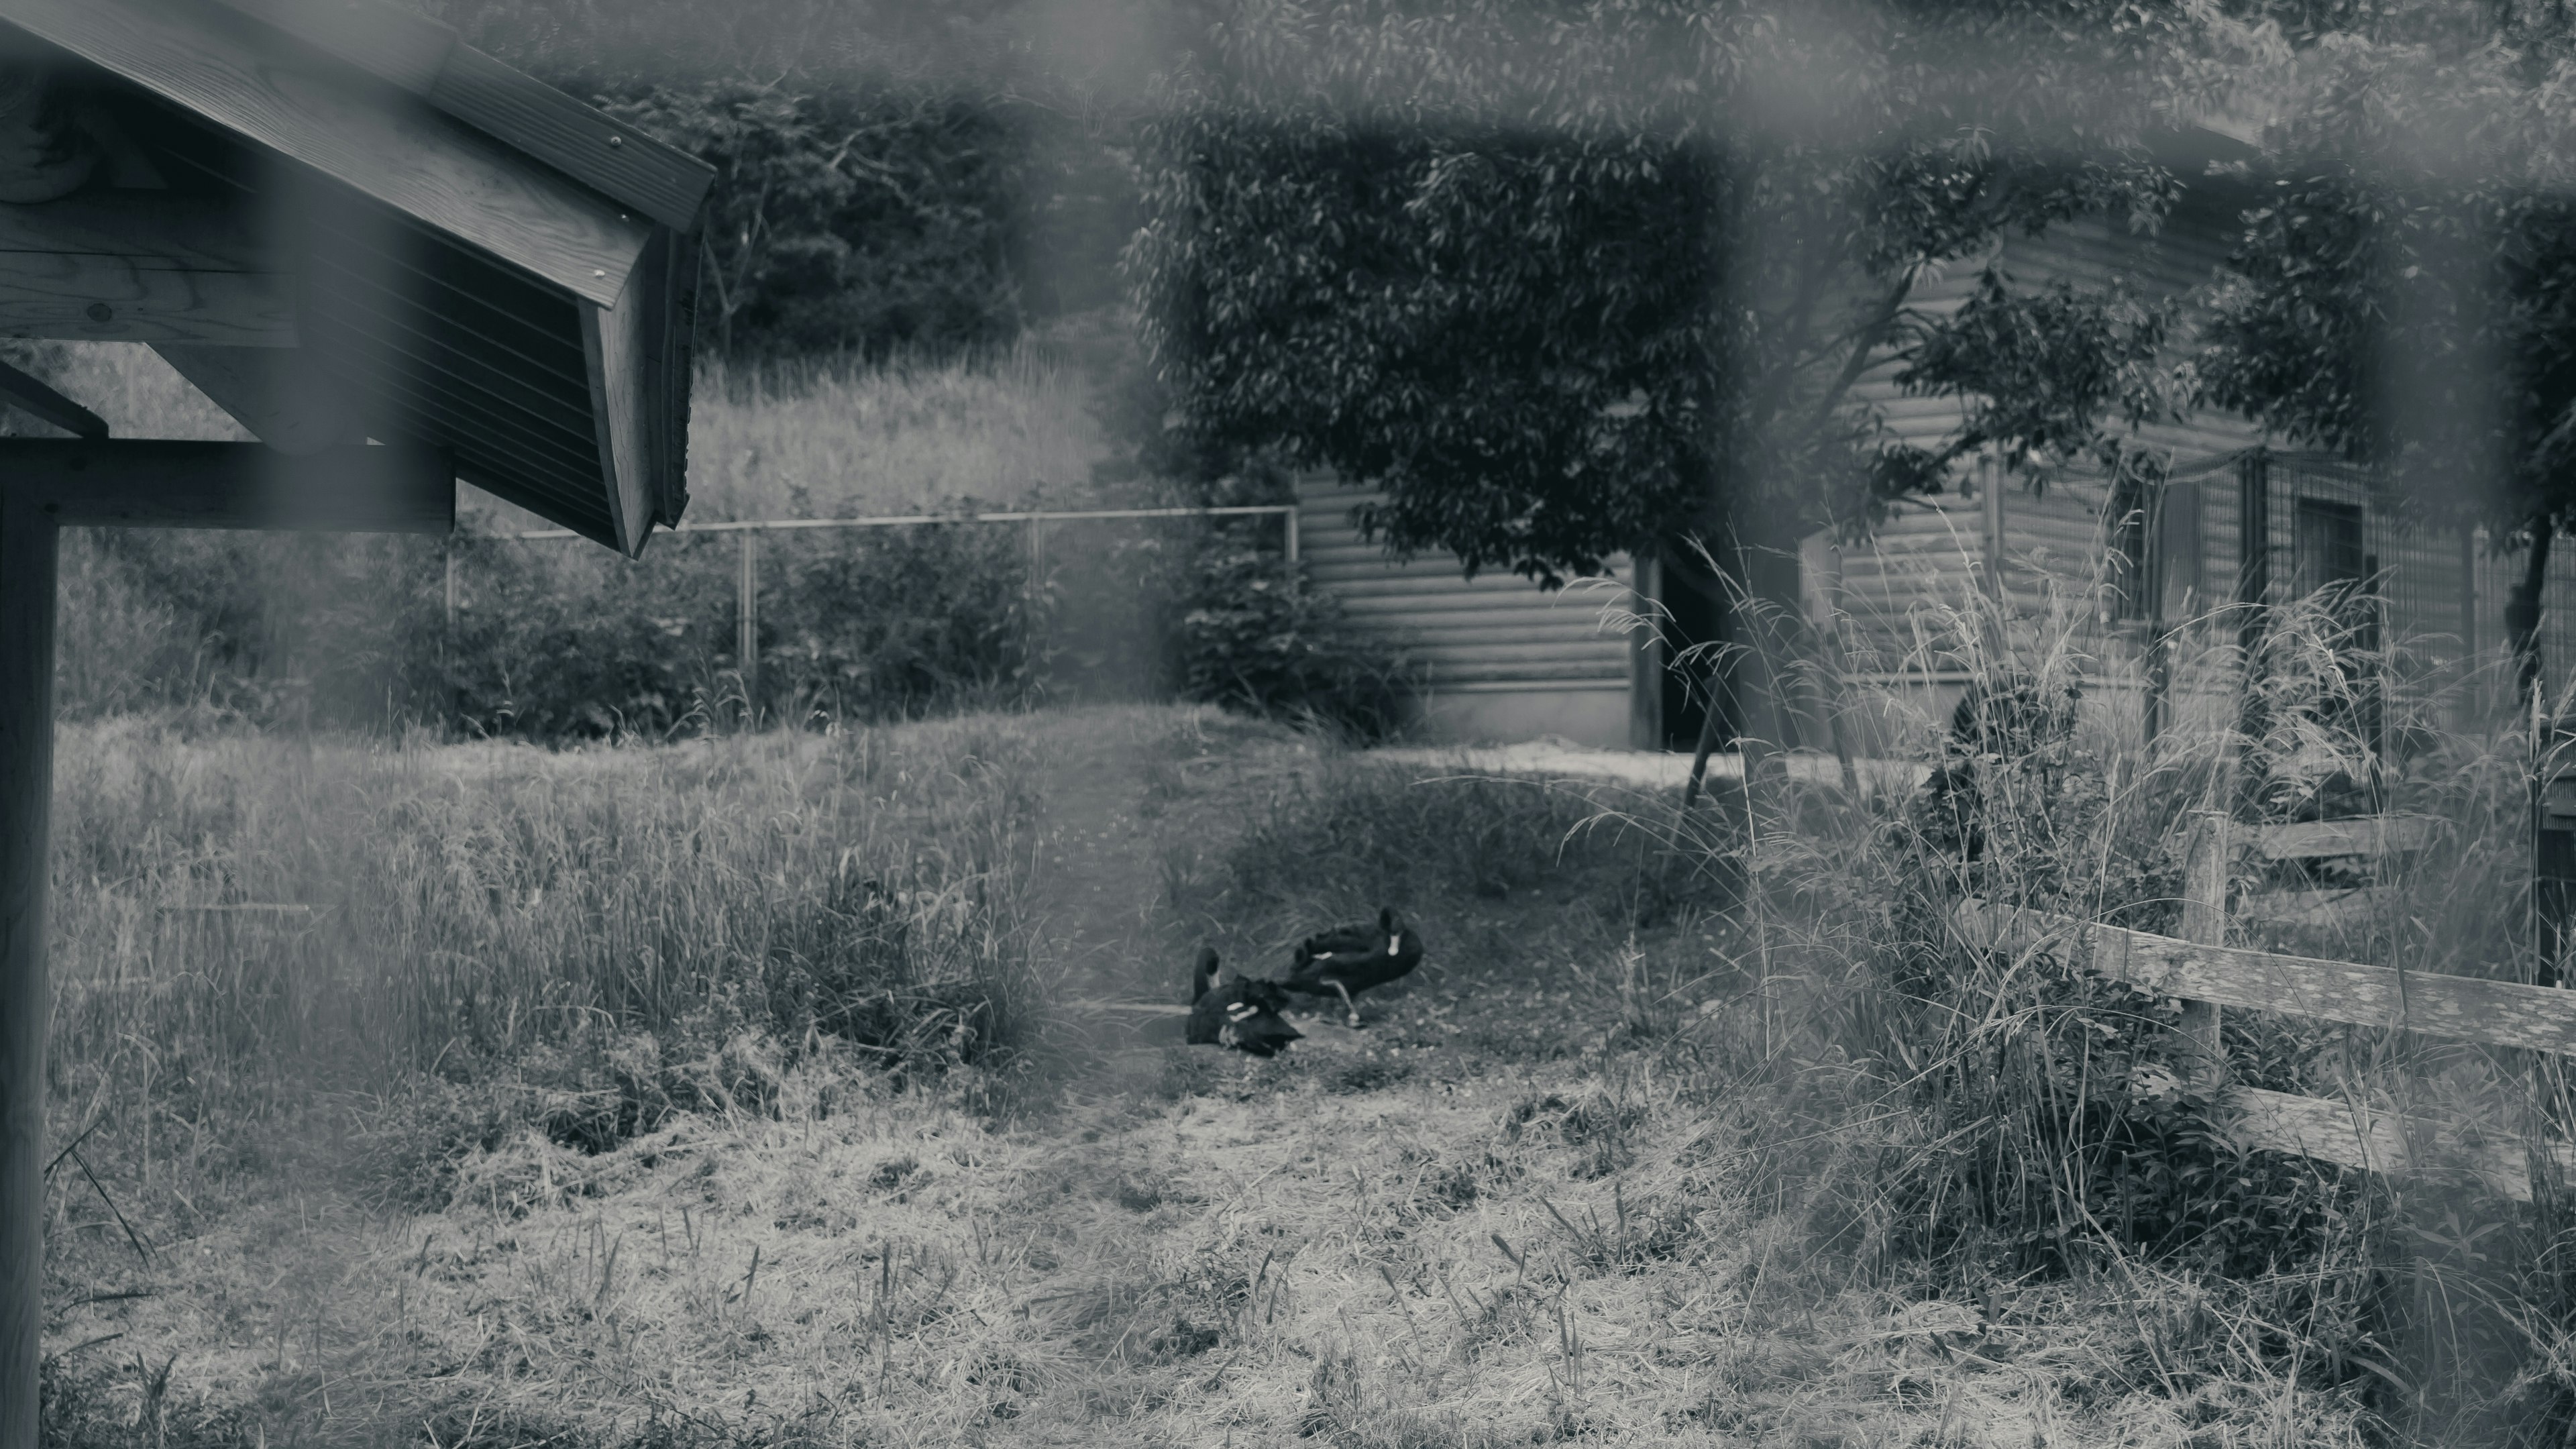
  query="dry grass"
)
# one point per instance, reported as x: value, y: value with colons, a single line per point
x: 783, y: 440
x: 1435, y: 1264
x: 1688, y: 1134
x: 823, y: 439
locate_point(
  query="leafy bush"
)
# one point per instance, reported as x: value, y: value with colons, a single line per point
x: 557, y: 641
x: 1253, y: 637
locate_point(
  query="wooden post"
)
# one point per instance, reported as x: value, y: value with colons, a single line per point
x: 1990, y: 478
x: 747, y: 615
x: 2204, y: 922
x: 26, y: 999
x: 1291, y: 517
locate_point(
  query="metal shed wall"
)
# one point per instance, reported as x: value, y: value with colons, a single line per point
x: 1501, y: 660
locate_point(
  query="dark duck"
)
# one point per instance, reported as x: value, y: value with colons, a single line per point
x: 1242, y: 1013
x: 1349, y: 959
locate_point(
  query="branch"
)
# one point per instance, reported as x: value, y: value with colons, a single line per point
x: 1863, y: 344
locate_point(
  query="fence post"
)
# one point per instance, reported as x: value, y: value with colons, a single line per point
x: 1291, y: 518
x: 2204, y: 923
x: 1991, y: 478
x: 747, y: 647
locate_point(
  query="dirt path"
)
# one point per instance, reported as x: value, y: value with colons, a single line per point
x: 1097, y: 883
x: 1126, y: 788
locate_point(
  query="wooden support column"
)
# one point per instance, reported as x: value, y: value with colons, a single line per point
x: 26, y: 999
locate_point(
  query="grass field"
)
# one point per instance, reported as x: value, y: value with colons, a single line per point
x: 637, y: 1118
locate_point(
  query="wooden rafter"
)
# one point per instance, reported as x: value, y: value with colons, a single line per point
x: 30, y: 395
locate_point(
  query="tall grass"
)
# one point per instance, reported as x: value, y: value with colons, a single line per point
x: 275, y: 915
x: 557, y: 639
x: 2029, y: 1121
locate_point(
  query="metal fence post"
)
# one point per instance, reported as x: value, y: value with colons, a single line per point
x: 1291, y: 517
x: 747, y: 611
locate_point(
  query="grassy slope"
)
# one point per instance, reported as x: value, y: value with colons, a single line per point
x: 1549, y: 1195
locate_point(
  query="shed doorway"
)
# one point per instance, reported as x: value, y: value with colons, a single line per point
x: 1692, y: 627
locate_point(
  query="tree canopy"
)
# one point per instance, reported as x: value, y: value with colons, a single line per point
x: 2406, y: 292
x: 1567, y: 279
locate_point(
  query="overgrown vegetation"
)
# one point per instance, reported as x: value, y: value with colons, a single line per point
x: 1252, y: 636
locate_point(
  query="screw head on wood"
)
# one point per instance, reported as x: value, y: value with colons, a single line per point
x: 616, y: 140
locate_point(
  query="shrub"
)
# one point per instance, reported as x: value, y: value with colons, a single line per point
x: 1253, y: 637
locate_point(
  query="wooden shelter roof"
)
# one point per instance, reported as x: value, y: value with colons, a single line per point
x: 381, y: 227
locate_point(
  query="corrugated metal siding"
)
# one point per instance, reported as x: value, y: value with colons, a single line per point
x: 1901, y: 588
x: 1496, y: 630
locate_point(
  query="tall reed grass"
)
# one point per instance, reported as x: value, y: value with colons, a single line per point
x: 556, y: 639
x: 2031, y: 1122
x: 252, y: 915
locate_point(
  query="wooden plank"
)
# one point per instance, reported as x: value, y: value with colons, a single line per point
x: 670, y: 342
x: 211, y: 61
x: 2385, y: 1143
x: 2316, y: 839
x: 390, y: 44
x: 614, y: 344
x: 26, y: 1001
x: 160, y: 484
x: 88, y: 296
x: 174, y: 231
x: 426, y: 59
x: 665, y: 184
x: 288, y: 397
x: 2324, y: 909
x: 2459, y: 1008
x: 30, y: 394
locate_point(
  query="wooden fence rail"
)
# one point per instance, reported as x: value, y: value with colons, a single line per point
x: 2208, y: 975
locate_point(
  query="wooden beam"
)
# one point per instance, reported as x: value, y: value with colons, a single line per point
x: 151, y: 483
x: 91, y: 298
x: 29, y: 394
x: 2318, y: 839
x: 622, y: 368
x: 2389, y: 1143
x: 144, y: 266
x: 287, y: 397
x: 426, y: 58
x: 222, y: 66
x: 26, y: 1001
x: 2459, y: 1008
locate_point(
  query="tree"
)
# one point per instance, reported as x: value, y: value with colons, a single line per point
x: 2406, y: 293
x: 888, y: 177
x: 1573, y: 280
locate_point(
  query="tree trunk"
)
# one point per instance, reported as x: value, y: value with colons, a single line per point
x: 1754, y: 698
x: 2522, y: 614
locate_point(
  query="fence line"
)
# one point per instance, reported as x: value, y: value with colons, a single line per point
x: 1287, y: 511
x: 2205, y: 974
x: 747, y: 601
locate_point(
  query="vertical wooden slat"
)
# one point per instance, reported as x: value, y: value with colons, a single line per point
x: 26, y: 1002
x: 1991, y: 481
x: 2204, y: 922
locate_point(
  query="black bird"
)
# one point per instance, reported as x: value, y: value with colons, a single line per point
x: 1354, y: 958
x: 1243, y: 1013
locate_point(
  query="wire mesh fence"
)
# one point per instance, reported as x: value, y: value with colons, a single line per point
x: 787, y: 621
